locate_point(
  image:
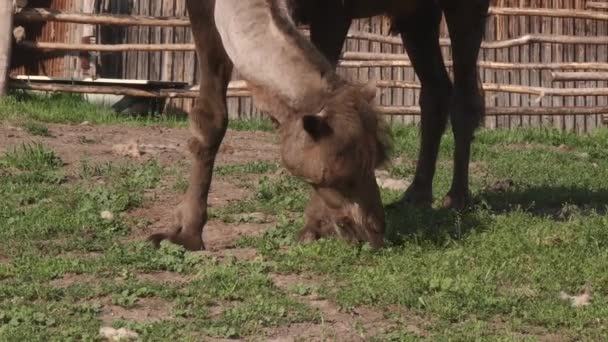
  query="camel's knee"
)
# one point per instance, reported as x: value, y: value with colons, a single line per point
x: 468, y: 110
x: 208, y: 127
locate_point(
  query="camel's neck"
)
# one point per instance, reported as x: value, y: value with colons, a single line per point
x: 268, y: 51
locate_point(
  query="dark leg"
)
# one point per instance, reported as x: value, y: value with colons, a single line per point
x: 328, y: 28
x: 208, y: 122
x: 466, y: 23
x: 420, y: 34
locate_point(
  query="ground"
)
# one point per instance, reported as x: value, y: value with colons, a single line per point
x: 528, y: 262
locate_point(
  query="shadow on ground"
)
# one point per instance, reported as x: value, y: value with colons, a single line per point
x: 438, y: 225
x: 557, y: 202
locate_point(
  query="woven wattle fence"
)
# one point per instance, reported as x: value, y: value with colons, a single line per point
x: 543, y: 63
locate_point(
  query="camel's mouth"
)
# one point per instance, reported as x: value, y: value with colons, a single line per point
x: 354, y: 221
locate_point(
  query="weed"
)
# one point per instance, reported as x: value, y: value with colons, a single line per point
x: 37, y: 129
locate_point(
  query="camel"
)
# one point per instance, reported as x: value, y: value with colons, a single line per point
x: 331, y: 136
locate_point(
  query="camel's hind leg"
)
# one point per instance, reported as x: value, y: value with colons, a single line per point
x: 329, y: 24
x: 420, y: 33
x: 466, y: 22
x: 208, y: 123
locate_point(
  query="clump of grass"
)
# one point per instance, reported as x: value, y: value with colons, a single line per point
x: 256, y: 167
x: 251, y: 125
x: 73, y: 108
x: 37, y: 129
x: 31, y: 157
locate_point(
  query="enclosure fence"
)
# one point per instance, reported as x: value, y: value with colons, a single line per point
x: 542, y: 62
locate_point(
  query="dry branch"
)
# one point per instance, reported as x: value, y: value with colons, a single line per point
x: 496, y: 111
x: 579, y: 76
x: 372, y: 59
x: 237, y: 90
x: 45, y: 14
x: 597, y: 5
x: 118, y: 90
x: 549, y: 12
x: 105, y: 47
x: 499, y: 44
x: 6, y: 38
x: 510, y: 88
x: 541, y: 38
x: 523, y: 40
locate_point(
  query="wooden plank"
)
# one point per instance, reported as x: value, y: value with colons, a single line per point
x: 154, y: 37
x: 143, y: 48
x: 507, y: 111
x: 32, y: 15
x: 534, y: 75
x: 489, y: 75
x: 569, y: 55
x: 554, y: 54
x: 173, y: 61
x: 6, y: 40
x: 570, y: 12
x: 580, y: 29
x: 502, y: 56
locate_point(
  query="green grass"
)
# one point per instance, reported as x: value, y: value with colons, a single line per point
x: 492, y: 273
x: 36, y: 129
x: 35, y: 109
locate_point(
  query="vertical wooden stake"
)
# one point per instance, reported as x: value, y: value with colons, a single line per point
x: 6, y: 40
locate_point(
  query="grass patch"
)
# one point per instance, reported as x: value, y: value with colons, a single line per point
x: 36, y: 129
x: 30, y: 157
x: 256, y: 167
x: 492, y: 273
x: 30, y: 107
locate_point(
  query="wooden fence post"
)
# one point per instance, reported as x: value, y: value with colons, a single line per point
x: 6, y: 40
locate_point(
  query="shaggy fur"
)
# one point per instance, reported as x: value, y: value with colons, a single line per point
x: 331, y: 135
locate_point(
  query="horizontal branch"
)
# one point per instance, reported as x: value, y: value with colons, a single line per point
x: 499, y: 44
x: 236, y: 90
x: 496, y: 111
x: 579, y: 76
x: 510, y: 88
x: 597, y: 5
x: 549, y: 12
x: 523, y: 40
x: 29, y: 15
x: 105, y: 47
x: 46, y: 14
x: 118, y: 90
x: 373, y: 59
x: 548, y: 39
x: 239, y: 88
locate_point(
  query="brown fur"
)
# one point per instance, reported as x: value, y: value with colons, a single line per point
x: 331, y: 135
x: 417, y: 21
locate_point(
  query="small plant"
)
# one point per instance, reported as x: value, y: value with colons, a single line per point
x: 31, y: 157
x: 129, y: 297
x: 251, y: 125
x: 181, y: 184
x: 37, y: 129
x: 256, y: 167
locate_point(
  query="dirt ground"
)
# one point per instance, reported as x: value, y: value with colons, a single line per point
x: 74, y: 143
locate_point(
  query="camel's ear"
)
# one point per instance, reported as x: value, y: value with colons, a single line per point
x: 369, y: 91
x: 316, y: 126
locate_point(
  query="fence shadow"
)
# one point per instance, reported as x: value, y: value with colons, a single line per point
x: 429, y: 225
x: 557, y: 202
x: 437, y: 226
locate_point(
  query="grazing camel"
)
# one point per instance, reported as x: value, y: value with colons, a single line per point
x: 330, y: 134
x: 417, y: 21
